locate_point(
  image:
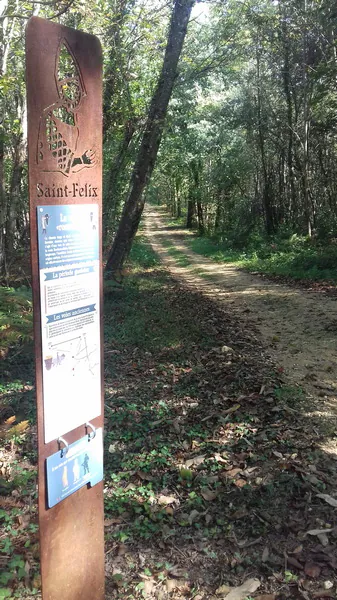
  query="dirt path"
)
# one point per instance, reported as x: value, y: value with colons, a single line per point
x: 299, y: 327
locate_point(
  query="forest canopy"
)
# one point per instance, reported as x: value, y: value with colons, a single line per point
x: 248, y: 147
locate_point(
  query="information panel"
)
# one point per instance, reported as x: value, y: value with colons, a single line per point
x: 68, y: 248
x: 68, y: 471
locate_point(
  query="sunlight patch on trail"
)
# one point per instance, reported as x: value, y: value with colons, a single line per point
x: 298, y: 327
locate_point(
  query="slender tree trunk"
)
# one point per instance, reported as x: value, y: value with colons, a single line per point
x: 178, y: 196
x: 288, y: 96
x: 151, y: 139
x: 267, y: 187
x: 3, y: 205
x: 6, y: 32
x: 111, y: 197
x: 111, y: 77
x: 217, y: 219
x: 200, y: 213
x: 19, y: 159
x: 309, y: 213
x: 190, y: 214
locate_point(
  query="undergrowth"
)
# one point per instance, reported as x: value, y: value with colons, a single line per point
x: 296, y: 256
x: 205, y: 465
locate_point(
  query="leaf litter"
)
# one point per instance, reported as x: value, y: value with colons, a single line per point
x: 238, y: 468
x: 209, y: 476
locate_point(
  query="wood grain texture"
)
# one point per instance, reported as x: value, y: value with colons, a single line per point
x: 72, y: 532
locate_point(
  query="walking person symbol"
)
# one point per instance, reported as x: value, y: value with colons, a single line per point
x: 85, y: 464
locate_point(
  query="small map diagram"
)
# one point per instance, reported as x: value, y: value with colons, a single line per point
x: 75, y: 354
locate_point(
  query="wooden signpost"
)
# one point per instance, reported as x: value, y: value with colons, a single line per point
x: 64, y: 91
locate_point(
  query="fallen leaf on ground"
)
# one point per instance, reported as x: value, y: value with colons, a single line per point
x: 113, y: 521
x: 223, y: 590
x: 192, y: 516
x: 265, y: 597
x: 231, y: 409
x: 24, y: 521
x: 240, y: 483
x: 232, y: 472
x: 177, y: 571
x: 219, y: 458
x: 323, y: 538
x: 328, y: 585
x: 323, y: 594
x: 172, y: 584
x: 197, y: 460
x: 122, y: 549
x: 148, y: 587
x: 329, y: 499
x: 164, y: 500
x: 144, y: 476
x: 265, y: 554
x: 321, y: 534
x: 248, y: 543
x: 294, y: 562
x: 209, y: 495
x: 312, y: 570
x: 318, y: 531
x: 297, y: 550
x: 240, y: 592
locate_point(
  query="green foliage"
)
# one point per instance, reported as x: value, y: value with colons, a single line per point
x: 16, y: 317
x: 142, y: 255
x: 295, y: 256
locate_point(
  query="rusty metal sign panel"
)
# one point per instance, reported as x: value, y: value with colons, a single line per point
x: 64, y: 92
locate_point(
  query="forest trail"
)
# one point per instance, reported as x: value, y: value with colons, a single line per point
x: 297, y: 326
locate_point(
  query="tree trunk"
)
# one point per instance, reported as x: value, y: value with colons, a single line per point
x: 6, y: 32
x: 3, y: 205
x: 308, y: 208
x: 201, y: 225
x: 178, y: 196
x: 148, y: 150
x: 112, y: 75
x: 267, y: 187
x: 190, y: 214
x: 288, y: 94
x: 19, y: 159
x: 111, y: 196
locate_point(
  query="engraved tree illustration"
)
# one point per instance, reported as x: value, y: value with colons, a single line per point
x: 59, y: 131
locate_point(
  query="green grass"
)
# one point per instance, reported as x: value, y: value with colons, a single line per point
x: 177, y: 221
x: 147, y: 319
x: 142, y: 256
x: 180, y: 258
x: 295, y: 257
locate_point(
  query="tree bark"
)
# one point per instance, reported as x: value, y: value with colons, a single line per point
x: 267, y: 188
x: 200, y: 213
x: 6, y: 33
x: 111, y: 203
x: 19, y: 159
x: 190, y: 213
x: 288, y: 95
x: 149, y: 146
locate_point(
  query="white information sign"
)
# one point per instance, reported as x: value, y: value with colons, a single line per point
x: 68, y: 245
